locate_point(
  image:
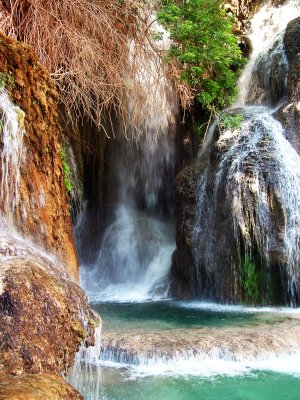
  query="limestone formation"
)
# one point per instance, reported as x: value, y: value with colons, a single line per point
x: 245, y: 343
x: 237, y: 225
x: 36, y: 387
x: 45, y: 212
x: 44, y: 317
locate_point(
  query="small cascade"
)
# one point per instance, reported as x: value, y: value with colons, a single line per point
x: 218, y: 363
x: 263, y: 190
x: 249, y: 249
x: 205, y: 351
x: 258, y: 177
x: 134, y: 257
x: 12, y: 155
x: 86, y: 371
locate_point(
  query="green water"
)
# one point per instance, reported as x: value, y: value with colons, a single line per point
x: 258, y: 386
x: 164, y: 315
x: 189, y: 380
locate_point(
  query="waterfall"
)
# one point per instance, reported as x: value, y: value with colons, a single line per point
x: 134, y: 256
x: 86, y: 371
x: 12, y: 155
x: 248, y: 248
x: 267, y: 28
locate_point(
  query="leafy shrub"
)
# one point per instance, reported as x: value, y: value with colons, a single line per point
x: 231, y: 122
x: 206, y: 48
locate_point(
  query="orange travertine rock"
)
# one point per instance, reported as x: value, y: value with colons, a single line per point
x: 36, y: 387
x: 44, y: 212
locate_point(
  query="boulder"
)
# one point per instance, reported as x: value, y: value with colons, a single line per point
x: 36, y: 387
x: 232, y: 215
x: 44, y: 317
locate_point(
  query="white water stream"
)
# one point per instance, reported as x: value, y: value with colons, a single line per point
x: 134, y: 257
x: 258, y: 176
x: 12, y: 155
x: 267, y: 27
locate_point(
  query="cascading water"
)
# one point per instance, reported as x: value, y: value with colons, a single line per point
x: 249, y: 250
x: 12, y: 156
x: 267, y: 28
x: 135, y: 253
x: 134, y: 256
x: 86, y: 372
x: 254, y: 174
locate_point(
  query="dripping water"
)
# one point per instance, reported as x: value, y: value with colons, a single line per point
x: 86, y: 373
x: 12, y: 155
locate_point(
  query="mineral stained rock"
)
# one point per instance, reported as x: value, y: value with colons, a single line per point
x: 44, y: 317
x: 36, y: 387
x: 44, y: 214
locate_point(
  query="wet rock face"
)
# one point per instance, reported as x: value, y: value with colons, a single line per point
x: 43, y: 316
x: 289, y: 114
x: 233, y: 212
x: 44, y: 212
x: 36, y: 387
x: 291, y: 39
x: 183, y: 266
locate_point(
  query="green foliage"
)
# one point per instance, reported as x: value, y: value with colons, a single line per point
x: 67, y: 170
x: 206, y: 47
x: 231, y: 122
x: 7, y: 79
x: 250, y: 280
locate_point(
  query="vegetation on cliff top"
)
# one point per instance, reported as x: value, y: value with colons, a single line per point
x: 92, y: 49
x: 205, y: 46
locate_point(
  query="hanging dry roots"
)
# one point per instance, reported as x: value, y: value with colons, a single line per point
x: 84, y: 44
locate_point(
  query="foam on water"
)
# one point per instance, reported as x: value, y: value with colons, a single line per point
x: 218, y: 363
x: 209, y: 367
x: 228, y: 308
x: 133, y: 261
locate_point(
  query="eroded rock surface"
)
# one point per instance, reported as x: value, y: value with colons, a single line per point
x: 36, y: 387
x: 212, y: 259
x: 44, y: 317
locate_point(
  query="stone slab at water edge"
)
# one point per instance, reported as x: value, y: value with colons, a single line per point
x: 239, y: 343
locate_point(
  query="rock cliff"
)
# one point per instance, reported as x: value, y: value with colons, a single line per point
x: 44, y: 214
x: 212, y: 243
